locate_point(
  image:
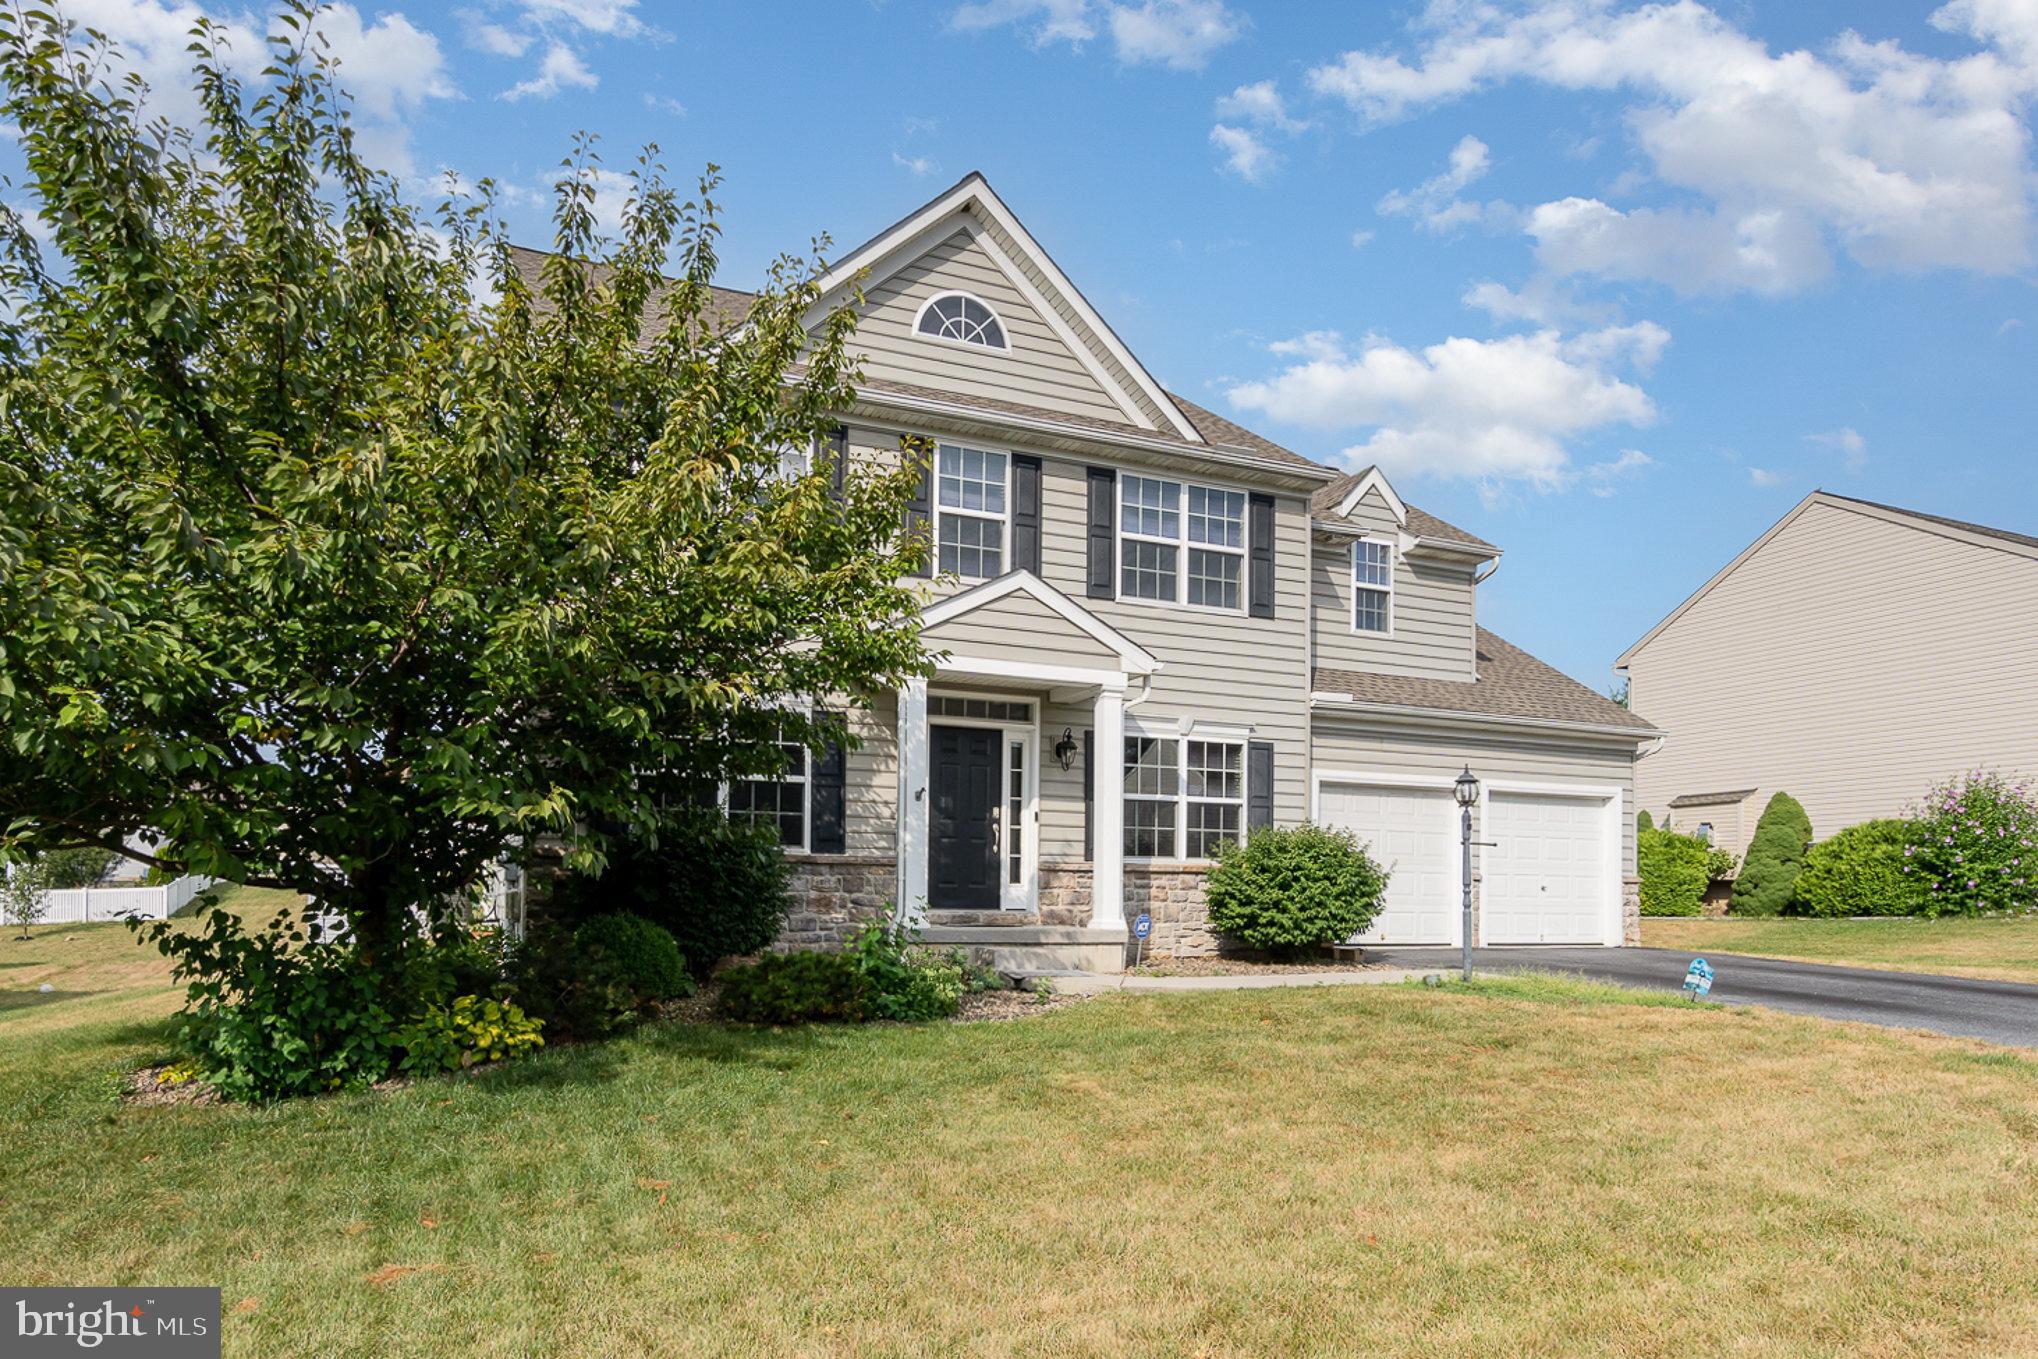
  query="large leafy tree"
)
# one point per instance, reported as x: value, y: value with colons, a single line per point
x: 341, y: 555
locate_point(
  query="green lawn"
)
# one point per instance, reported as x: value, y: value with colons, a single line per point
x: 2004, y: 949
x: 1530, y: 1167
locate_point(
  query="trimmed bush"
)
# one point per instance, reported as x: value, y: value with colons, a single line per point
x: 1768, y: 881
x: 635, y: 952
x: 1860, y: 871
x: 1675, y: 870
x: 1292, y: 888
x: 1969, y: 846
x: 796, y: 988
x: 721, y: 887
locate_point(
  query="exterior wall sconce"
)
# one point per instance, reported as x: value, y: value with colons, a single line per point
x: 1065, y: 750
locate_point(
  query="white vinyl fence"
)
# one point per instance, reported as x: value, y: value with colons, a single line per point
x: 82, y: 905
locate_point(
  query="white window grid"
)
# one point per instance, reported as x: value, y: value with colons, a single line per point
x: 1372, y: 586
x: 781, y: 799
x: 1182, y: 797
x: 972, y: 505
x: 962, y: 319
x: 1180, y: 543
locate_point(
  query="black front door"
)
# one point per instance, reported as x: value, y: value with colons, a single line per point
x: 962, y: 850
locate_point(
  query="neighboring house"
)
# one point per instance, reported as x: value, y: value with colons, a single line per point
x: 1156, y: 631
x: 1852, y: 657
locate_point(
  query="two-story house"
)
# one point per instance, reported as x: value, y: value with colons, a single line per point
x: 1155, y: 631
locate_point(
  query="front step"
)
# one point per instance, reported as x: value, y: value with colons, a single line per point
x: 1034, y: 948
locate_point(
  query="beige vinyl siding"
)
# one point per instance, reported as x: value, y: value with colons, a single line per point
x: 870, y: 779
x: 1345, y: 745
x: 1220, y: 668
x: 1120, y: 376
x: 1019, y: 628
x: 1434, y: 631
x: 1851, y: 661
x: 1038, y: 370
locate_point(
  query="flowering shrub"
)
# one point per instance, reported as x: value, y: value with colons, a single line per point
x: 1970, y: 845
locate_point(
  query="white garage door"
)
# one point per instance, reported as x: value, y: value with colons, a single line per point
x: 1545, y: 873
x: 1411, y: 831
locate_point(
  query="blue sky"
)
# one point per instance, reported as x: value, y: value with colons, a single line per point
x: 1612, y: 286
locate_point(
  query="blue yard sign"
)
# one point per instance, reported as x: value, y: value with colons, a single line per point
x: 1698, y: 981
x: 1143, y: 926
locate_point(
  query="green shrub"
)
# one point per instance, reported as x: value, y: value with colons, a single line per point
x: 469, y: 1030
x: 639, y: 954
x: 1293, y: 888
x: 1675, y: 871
x: 721, y: 887
x: 1768, y: 881
x: 1643, y: 821
x: 64, y: 869
x: 905, y: 983
x: 268, y: 1016
x: 1860, y: 871
x: 796, y: 988
x: 1969, y: 846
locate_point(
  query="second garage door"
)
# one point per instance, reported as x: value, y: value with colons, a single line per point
x: 1545, y: 873
x: 1412, y: 834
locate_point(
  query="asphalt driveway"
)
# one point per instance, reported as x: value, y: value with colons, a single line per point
x: 2001, y: 1012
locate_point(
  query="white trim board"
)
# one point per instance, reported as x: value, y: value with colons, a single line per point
x: 1373, y: 479
x: 1136, y: 660
x: 883, y: 255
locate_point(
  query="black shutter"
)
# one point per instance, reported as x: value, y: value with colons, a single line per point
x: 827, y: 833
x: 1089, y: 793
x: 1025, y: 513
x: 920, y: 515
x: 1103, y: 492
x: 1260, y: 554
x: 1259, y: 784
x: 836, y: 449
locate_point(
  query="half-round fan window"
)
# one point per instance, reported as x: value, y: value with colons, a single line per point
x: 960, y: 317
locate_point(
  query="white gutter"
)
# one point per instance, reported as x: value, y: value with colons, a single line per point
x: 1200, y: 452
x: 1344, y: 705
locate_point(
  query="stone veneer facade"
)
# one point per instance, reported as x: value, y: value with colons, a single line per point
x: 834, y: 894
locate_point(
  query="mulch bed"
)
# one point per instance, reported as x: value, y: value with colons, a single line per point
x: 978, y: 1007
x: 1247, y: 965
x: 148, y: 1088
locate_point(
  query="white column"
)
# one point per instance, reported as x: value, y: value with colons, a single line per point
x: 1107, y: 812
x: 911, y: 908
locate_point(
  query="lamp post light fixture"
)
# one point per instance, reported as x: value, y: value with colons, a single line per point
x: 1466, y: 791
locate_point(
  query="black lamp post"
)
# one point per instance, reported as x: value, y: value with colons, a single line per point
x: 1466, y: 791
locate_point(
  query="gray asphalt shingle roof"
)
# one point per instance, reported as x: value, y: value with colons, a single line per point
x: 1511, y: 683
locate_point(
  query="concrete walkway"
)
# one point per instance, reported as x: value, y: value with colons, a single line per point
x: 1097, y: 983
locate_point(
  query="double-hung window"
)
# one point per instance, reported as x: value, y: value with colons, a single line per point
x: 970, y: 511
x: 1182, y: 798
x: 1372, y: 585
x: 1180, y: 544
x: 780, y: 799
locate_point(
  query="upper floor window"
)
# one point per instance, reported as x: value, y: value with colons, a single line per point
x: 1372, y: 586
x: 970, y: 511
x: 960, y: 317
x: 1180, y: 544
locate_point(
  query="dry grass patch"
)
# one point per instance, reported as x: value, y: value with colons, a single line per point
x: 2005, y: 949
x: 1531, y: 1167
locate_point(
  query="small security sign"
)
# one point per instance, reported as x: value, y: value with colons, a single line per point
x: 1143, y: 926
x: 1698, y: 981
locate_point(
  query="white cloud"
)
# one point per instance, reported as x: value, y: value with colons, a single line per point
x: 561, y: 67
x: 664, y: 103
x: 1259, y: 103
x: 1435, y: 204
x: 1491, y: 411
x: 1900, y: 160
x: 390, y: 66
x: 492, y: 38
x: 1853, y: 448
x: 1178, y: 34
x: 1762, y: 476
x: 1603, y: 478
x: 1769, y: 251
x: 2013, y: 323
x: 918, y: 166
x: 1542, y: 301
x: 610, y: 18
x: 1361, y: 239
x: 1245, y: 154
